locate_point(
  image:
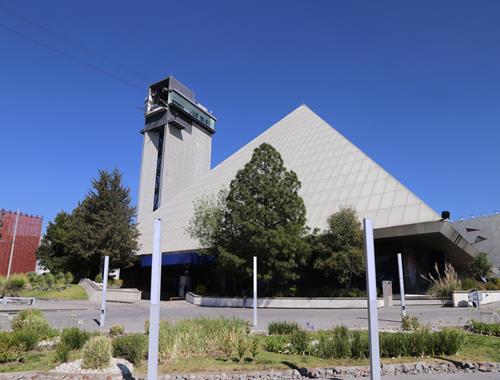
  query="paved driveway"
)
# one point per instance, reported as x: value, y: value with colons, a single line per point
x: 132, y: 316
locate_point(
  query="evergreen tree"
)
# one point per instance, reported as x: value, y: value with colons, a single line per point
x: 264, y: 217
x: 101, y: 225
x: 56, y: 248
x: 338, y: 252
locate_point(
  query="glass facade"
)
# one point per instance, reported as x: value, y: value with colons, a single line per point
x: 185, y: 105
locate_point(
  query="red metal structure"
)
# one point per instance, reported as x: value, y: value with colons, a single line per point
x: 27, y: 240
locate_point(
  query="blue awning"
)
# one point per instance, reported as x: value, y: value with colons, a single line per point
x: 179, y: 258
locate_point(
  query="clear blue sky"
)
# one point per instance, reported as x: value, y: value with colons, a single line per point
x: 416, y: 85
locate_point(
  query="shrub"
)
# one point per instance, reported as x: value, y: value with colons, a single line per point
x: 118, y: 282
x: 62, y: 352
x: 393, y: 344
x: 11, y: 350
x: 410, y: 323
x: 485, y: 328
x: 443, y: 285
x: 469, y: 283
x: 20, y: 317
x: 69, y: 277
x: 49, y: 279
x: 360, y: 347
x: 277, y: 343
x: 30, y: 327
x: 31, y: 276
x: 33, y: 329
x: 492, y: 285
x: 299, y: 342
x: 29, y: 339
x: 200, y: 289
x: 116, y: 330
x: 325, y: 347
x: 60, y: 277
x: 447, y: 341
x: 201, y: 336
x: 421, y: 342
x: 74, y: 338
x: 39, y: 283
x: 282, y: 328
x: 130, y: 347
x: 98, y: 278
x: 12, y: 287
x: 96, y: 353
x: 254, y: 348
x: 241, y: 347
x: 229, y: 344
x: 17, y: 281
x: 479, y: 267
x: 163, y: 324
x: 342, y: 342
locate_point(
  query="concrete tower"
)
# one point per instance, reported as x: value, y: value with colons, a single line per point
x: 177, y: 144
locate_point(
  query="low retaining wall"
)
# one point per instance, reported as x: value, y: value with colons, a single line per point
x: 286, y: 374
x: 94, y: 291
x: 460, y: 298
x: 282, y: 302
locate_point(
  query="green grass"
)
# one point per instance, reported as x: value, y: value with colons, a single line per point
x: 480, y: 348
x: 37, y: 361
x: 33, y: 361
x: 476, y: 348
x: 72, y: 292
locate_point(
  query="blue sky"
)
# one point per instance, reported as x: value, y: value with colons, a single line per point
x: 416, y: 85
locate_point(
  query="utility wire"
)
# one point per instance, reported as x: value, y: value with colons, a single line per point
x: 69, y: 56
x: 72, y: 42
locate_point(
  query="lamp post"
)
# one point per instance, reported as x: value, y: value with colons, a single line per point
x: 255, y: 291
x: 371, y: 286
x: 154, y: 308
x: 104, y: 290
x: 401, y: 286
x: 9, y: 268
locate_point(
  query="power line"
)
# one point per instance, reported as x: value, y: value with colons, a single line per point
x: 73, y: 42
x: 69, y: 56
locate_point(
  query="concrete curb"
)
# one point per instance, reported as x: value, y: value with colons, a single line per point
x: 125, y: 295
x: 289, y: 374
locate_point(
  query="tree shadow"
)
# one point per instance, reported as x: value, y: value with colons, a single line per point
x: 457, y: 363
x: 304, y: 371
x: 127, y: 375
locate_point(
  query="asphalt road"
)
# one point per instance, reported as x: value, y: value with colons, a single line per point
x: 132, y: 316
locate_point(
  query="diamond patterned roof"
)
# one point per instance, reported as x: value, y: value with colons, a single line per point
x: 333, y: 171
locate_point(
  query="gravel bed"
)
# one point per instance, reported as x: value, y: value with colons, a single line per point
x: 117, y: 367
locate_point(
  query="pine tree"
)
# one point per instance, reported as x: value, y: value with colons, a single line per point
x: 264, y: 217
x: 56, y: 248
x: 101, y: 225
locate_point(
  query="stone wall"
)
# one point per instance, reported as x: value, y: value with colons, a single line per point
x: 435, y: 368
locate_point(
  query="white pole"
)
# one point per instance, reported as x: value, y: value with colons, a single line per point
x: 12, y: 246
x: 154, y: 308
x: 255, y: 291
x: 104, y: 290
x: 401, y: 286
x: 371, y: 286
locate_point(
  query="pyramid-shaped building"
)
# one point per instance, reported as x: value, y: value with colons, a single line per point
x: 175, y: 171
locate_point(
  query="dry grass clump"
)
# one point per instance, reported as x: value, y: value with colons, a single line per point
x: 443, y: 285
x: 214, y: 337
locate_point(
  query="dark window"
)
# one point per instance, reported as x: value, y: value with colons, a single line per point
x: 156, y: 199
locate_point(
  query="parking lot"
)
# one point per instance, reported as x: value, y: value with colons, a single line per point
x: 132, y: 316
